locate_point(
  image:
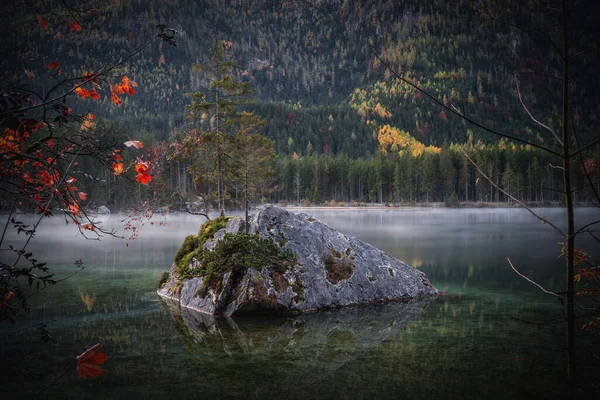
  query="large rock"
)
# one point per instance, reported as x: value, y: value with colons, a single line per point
x: 332, y: 270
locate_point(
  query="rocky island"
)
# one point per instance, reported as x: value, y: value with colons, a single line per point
x: 285, y: 263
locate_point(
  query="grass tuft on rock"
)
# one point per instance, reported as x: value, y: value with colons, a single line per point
x: 236, y: 253
x: 338, y: 267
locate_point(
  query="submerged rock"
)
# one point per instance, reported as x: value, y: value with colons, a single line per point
x: 331, y: 270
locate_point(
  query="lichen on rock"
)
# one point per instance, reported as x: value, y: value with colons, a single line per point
x: 288, y: 262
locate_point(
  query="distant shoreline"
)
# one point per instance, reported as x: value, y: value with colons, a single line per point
x: 390, y: 207
x: 432, y: 205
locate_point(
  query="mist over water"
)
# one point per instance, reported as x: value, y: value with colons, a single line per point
x: 460, y: 345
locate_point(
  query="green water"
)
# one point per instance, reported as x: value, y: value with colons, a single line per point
x: 464, y: 344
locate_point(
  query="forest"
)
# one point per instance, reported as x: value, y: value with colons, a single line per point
x: 324, y: 97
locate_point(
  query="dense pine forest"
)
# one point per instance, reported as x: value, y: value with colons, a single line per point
x: 324, y: 75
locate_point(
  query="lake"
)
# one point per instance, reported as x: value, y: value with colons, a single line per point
x: 467, y: 343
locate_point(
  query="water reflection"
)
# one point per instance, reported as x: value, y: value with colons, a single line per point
x: 461, y: 345
x: 295, y: 352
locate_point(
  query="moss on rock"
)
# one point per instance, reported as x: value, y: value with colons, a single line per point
x: 192, y: 245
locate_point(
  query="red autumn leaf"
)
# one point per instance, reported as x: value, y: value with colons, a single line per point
x: 135, y: 143
x: 41, y: 21
x: 52, y: 65
x: 142, y: 173
x: 141, y: 167
x: 143, y: 178
x: 83, y: 93
x: 89, y: 227
x: 117, y: 168
x: 75, y: 26
x: 90, y: 361
x: 74, y: 209
x: 83, y: 196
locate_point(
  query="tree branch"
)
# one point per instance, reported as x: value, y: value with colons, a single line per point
x: 559, y: 297
x: 531, y: 115
x: 544, y: 220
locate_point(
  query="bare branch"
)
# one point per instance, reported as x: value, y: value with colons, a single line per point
x: 560, y: 298
x: 587, y: 146
x: 83, y: 82
x: 539, y: 74
x: 585, y: 169
x: 528, y: 30
x: 583, y: 228
x: 535, y: 322
x: 544, y: 220
x: 546, y: 127
x: 47, y: 286
x: 582, y: 52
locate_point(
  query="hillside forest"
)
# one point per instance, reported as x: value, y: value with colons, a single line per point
x: 299, y: 102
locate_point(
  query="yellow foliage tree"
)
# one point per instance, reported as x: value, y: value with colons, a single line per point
x: 397, y: 141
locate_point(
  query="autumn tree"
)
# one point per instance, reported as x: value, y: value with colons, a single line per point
x: 45, y: 142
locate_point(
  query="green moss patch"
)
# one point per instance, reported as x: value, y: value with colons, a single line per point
x: 164, y: 277
x: 192, y: 245
x: 238, y: 252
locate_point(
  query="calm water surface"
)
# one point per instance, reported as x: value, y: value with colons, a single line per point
x: 464, y: 344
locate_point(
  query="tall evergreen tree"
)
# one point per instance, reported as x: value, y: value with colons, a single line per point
x: 217, y: 108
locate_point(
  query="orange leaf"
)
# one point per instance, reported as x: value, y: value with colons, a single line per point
x: 43, y: 23
x: 89, y: 362
x: 75, y: 26
x: 117, y: 168
x: 52, y: 65
x: 74, y: 208
x: 82, y: 196
x: 135, y: 143
x: 143, y: 178
x: 115, y: 99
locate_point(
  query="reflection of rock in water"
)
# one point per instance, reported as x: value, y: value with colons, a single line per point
x: 295, y: 352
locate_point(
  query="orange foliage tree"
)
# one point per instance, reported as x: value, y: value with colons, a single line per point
x: 42, y: 142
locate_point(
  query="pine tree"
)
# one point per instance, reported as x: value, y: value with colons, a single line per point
x: 218, y: 108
